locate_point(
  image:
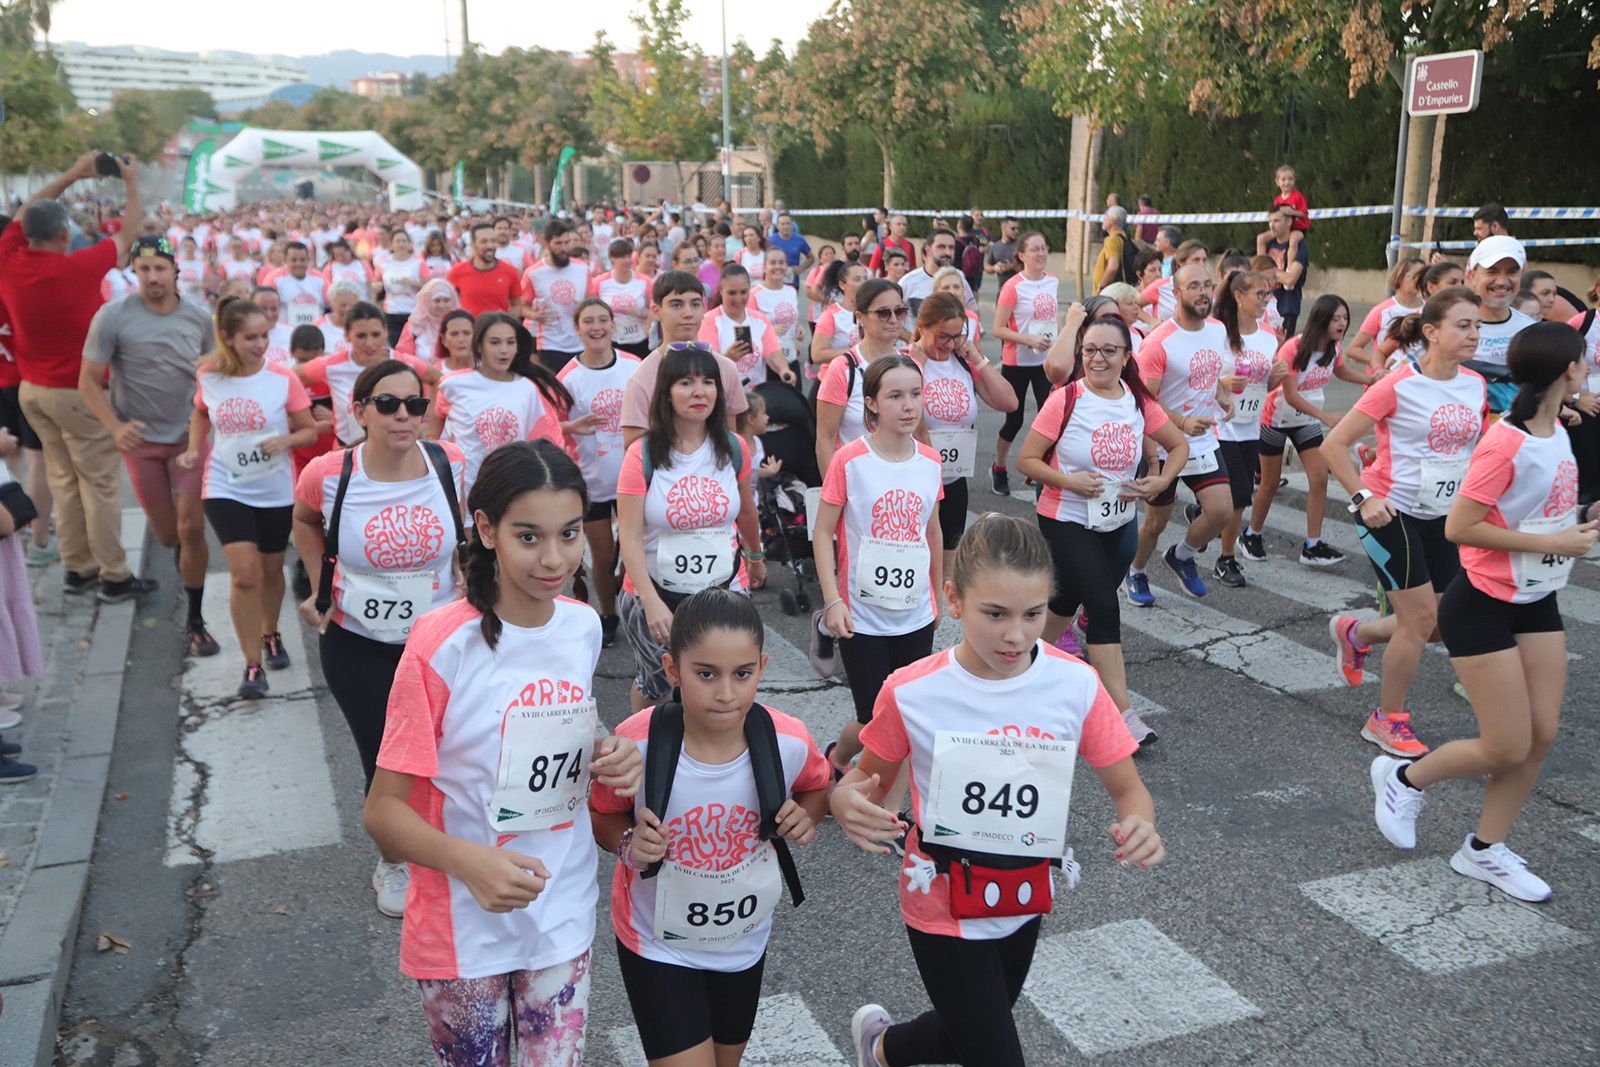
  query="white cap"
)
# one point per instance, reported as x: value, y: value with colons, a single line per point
x: 1492, y: 250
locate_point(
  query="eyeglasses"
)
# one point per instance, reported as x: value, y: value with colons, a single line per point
x: 951, y: 338
x: 388, y: 404
x: 1199, y: 287
x: 1105, y: 352
x: 888, y: 314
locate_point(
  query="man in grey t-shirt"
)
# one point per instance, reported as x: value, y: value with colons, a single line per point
x: 1001, y: 257
x: 151, y: 343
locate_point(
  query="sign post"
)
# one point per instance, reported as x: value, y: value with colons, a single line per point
x: 1447, y: 83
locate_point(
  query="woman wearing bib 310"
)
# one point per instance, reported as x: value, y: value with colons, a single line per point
x: 1519, y: 526
x: 968, y: 720
x: 398, y: 530
x: 683, y: 491
x: 1086, y: 456
x: 1428, y: 419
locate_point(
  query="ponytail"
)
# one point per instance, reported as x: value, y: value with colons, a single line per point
x: 1407, y: 331
x: 1537, y: 359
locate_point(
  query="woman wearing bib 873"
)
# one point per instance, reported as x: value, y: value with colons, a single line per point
x: 1519, y: 526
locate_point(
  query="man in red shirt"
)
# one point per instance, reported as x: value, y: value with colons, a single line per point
x: 52, y: 297
x: 897, y: 239
x: 484, y: 282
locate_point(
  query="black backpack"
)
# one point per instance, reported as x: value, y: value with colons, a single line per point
x: 665, y: 745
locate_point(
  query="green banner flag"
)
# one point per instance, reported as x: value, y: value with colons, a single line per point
x: 277, y: 149
x: 327, y: 150
x: 195, y: 185
x: 567, y: 155
x: 458, y: 184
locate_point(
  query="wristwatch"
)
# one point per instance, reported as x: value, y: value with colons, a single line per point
x: 1357, y: 498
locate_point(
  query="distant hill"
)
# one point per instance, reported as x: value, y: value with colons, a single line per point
x: 337, y: 68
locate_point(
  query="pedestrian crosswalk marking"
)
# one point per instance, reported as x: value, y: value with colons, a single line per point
x: 1436, y: 920
x: 786, y: 1034
x: 1127, y: 984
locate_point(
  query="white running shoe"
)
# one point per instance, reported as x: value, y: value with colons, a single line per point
x: 1502, y: 868
x: 1395, y: 805
x: 390, y: 881
x: 1142, y: 734
x: 869, y: 1021
x: 9, y: 718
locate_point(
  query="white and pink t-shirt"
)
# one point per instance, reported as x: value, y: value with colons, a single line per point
x: 387, y: 527
x: 629, y: 302
x: 192, y: 276
x: 481, y: 414
x: 1162, y: 301
x: 1103, y: 436
x: 513, y: 252
x: 338, y: 370
x: 714, y: 816
x: 753, y: 262
x: 1058, y: 698
x: 949, y: 404
x: 449, y: 699
x: 885, y: 500
x: 1528, y: 483
x: 781, y: 306
x: 1032, y: 304
x: 716, y: 330
x: 1188, y: 364
x: 402, y: 279
x: 246, y: 269
x: 974, y: 328
x: 599, y: 392
x: 244, y: 411
x: 353, y: 271
x: 1420, y: 419
x: 1311, y: 384
x: 559, y: 289
x: 1382, y: 316
x: 693, y: 492
x: 842, y: 388
x: 1591, y: 346
x: 118, y: 283
x: 299, y: 299
x: 838, y: 329
x: 1253, y: 363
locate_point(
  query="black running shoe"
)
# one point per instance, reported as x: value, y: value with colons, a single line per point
x: 1228, y: 573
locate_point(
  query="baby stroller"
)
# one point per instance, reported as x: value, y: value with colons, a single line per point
x: 781, y: 501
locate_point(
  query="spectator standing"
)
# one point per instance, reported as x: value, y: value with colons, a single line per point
x: 1001, y: 257
x: 1292, y: 258
x: 1147, y: 231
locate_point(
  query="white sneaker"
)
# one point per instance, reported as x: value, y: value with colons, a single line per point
x: 869, y: 1021
x: 9, y: 718
x: 1395, y: 805
x: 1142, y: 734
x: 1498, y: 866
x: 390, y: 881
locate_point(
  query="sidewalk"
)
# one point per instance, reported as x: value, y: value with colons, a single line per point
x: 48, y: 824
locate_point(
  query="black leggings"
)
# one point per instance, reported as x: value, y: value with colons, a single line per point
x: 973, y: 986
x: 677, y: 1008
x: 953, y: 513
x: 360, y: 672
x: 1020, y: 378
x: 869, y: 660
x: 396, y: 325
x: 1089, y: 565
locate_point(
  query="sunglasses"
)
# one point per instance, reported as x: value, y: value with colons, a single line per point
x: 388, y: 404
x: 888, y: 314
x: 685, y: 346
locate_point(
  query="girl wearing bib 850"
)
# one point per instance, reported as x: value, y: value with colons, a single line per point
x: 490, y: 740
x: 683, y: 507
x: 991, y: 729
x: 697, y: 883
x: 1519, y: 525
x: 1427, y: 419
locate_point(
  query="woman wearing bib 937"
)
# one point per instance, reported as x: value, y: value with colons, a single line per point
x: 1517, y: 520
x: 397, y: 528
x: 1427, y: 419
x: 683, y: 508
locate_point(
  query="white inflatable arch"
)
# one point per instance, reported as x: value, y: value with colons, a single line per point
x: 253, y: 148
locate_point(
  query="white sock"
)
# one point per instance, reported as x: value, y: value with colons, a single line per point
x: 1182, y: 551
x: 1252, y: 531
x: 1313, y: 542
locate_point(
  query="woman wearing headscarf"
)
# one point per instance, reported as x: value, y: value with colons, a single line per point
x: 420, y: 335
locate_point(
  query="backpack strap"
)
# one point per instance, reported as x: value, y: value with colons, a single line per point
x: 1588, y: 321
x: 1066, y: 415
x: 663, y: 747
x: 761, y: 738
x: 441, y: 466
x: 330, y: 538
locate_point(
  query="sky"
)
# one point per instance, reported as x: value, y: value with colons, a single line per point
x: 409, y: 27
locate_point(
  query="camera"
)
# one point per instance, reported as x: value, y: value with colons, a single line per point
x: 107, y: 165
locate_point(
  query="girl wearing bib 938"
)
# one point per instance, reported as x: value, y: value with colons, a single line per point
x: 880, y: 499
x: 683, y: 508
x: 992, y: 729
x: 490, y: 741
x: 1519, y: 525
x: 697, y: 883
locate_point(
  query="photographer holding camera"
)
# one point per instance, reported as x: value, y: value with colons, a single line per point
x: 53, y: 295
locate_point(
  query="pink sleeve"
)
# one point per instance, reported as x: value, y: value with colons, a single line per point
x: 708, y: 332
x: 815, y: 774
x: 199, y: 393
x: 526, y: 287
x: 1576, y: 322
x: 1492, y: 468
x: 308, y: 490
x: 833, y: 389
x: 1048, y: 420
x: 732, y: 387
x: 1105, y: 738
x: 630, y: 482
x: 298, y: 399
x: 885, y: 736
x: 407, y: 345
x: 636, y: 401
x: 769, y: 339
x: 1155, y: 416
x: 1008, y: 293
x: 1373, y: 322
x: 314, y: 371
x: 746, y: 457
x: 1151, y: 294
x: 548, y: 426
x: 603, y: 798
x: 1152, y: 360
x: 835, y: 485
x: 417, y: 700
x: 1380, y: 400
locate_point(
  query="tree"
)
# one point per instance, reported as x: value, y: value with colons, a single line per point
x: 756, y: 90
x: 43, y: 126
x: 140, y: 122
x: 889, y: 66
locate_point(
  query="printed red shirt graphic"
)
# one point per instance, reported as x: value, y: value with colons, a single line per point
x: 1317, y: 376
x: 897, y: 516
x: 1204, y: 369
x: 238, y: 414
x: 1563, y: 496
x: 563, y: 292
x: 548, y: 692
x: 748, y: 361
x: 1030, y: 732
x: 1253, y: 366
x: 1044, y: 307
x: 1113, y: 446
x: 495, y: 427
x: 695, y: 503
x: 784, y: 316
x: 947, y: 399
x: 607, y: 408
x: 403, y: 537
x: 1451, y: 428
x: 622, y: 303
x: 714, y: 837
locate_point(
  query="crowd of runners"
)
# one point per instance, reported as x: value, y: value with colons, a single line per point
x: 502, y: 444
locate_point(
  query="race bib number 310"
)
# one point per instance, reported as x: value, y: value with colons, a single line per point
x: 998, y: 794
x: 543, y: 779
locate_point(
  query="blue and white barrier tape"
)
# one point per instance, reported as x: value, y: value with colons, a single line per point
x: 1222, y: 217
x: 1532, y: 242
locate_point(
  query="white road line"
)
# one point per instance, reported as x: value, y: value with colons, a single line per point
x: 1320, y: 588
x: 1266, y: 657
x: 1591, y: 830
x: 1436, y: 920
x: 786, y: 1034
x: 1127, y: 984
x: 1338, y: 533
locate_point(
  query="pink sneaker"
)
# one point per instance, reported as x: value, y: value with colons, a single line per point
x: 1068, y: 643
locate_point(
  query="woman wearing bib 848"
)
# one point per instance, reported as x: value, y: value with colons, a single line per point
x: 1428, y: 419
x: 683, y: 491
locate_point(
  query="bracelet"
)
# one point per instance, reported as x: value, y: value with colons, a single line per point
x: 624, y: 851
x: 753, y: 557
x: 829, y: 606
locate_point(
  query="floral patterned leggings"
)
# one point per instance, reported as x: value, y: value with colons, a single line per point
x: 470, y: 1020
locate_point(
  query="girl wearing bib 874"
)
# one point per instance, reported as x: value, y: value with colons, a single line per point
x: 991, y: 730
x: 1427, y: 419
x: 1519, y: 525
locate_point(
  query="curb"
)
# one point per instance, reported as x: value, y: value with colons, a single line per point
x: 37, y: 943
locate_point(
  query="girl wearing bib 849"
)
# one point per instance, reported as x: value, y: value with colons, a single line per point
x: 1519, y: 525
x: 683, y: 491
x: 490, y: 740
x: 991, y: 730
x: 1428, y: 419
